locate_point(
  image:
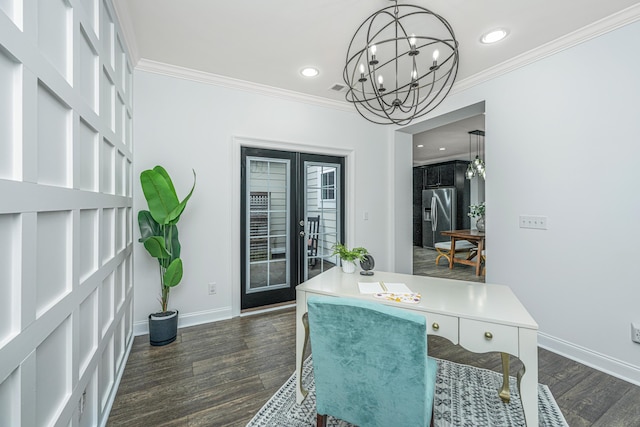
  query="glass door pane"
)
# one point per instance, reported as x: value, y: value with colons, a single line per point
x: 268, y: 216
x: 322, y: 212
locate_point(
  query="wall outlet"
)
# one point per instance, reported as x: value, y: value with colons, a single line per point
x: 212, y: 288
x: 635, y: 332
x: 533, y: 221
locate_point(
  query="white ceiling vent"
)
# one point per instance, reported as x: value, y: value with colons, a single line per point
x: 338, y: 87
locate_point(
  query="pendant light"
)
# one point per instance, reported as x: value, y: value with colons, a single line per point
x: 477, y: 166
x: 471, y: 172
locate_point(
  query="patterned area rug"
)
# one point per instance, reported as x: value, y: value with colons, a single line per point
x: 465, y: 396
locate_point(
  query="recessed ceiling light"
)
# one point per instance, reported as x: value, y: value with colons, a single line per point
x: 419, y: 145
x: 494, y: 36
x: 309, y: 72
x: 442, y: 148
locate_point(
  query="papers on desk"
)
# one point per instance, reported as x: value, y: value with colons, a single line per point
x: 398, y: 292
x: 376, y: 287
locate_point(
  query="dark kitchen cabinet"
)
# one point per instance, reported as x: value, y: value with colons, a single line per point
x: 440, y: 175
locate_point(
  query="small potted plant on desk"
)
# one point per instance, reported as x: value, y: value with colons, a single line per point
x: 159, y: 234
x: 477, y: 211
x: 349, y: 256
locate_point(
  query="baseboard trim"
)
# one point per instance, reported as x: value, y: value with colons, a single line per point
x: 595, y: 360
x: 188, y: 319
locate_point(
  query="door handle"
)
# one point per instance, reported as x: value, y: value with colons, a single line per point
x: 434, y: 215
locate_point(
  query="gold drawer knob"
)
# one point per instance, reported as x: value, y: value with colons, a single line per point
x: 435, y: 326
x: 488, y: 335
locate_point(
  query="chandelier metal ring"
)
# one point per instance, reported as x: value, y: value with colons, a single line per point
x: 388, y: 47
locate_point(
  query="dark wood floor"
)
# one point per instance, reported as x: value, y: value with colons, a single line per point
x: 220, y: 374
x: 424, y: 265
x: 216, y: 374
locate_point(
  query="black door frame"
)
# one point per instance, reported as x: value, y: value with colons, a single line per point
x: 296, y: 204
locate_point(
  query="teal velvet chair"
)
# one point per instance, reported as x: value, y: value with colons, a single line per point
x: 370, y: 363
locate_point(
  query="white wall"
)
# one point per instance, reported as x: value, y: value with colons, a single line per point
x: 183, y: 124
x: 66, y: 211
x: 401, y: 203
x: 562, y: 141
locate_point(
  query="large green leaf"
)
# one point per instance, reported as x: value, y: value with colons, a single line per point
x: 160, y: 170
x: 173, y: 274
x: 160, y: 195
x: 155, y: 246
x: 174, y: 216
x: 148, y: 226
x: 173, y: 245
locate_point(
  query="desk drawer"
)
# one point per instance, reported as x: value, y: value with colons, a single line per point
x: 443, y: 326
x: 483, y: 337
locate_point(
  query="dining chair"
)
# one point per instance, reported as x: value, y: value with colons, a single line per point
x: 370, y: 363
x: 444, y: 249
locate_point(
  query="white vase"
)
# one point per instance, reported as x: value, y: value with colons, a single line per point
x: 480, y: 223
x: 348, y: 267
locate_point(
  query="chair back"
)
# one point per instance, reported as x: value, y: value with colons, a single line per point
x: 312, y: 242
x: 370, y: 362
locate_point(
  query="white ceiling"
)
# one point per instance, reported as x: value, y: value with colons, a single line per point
x: 454, y: 138
x: 268, y: 42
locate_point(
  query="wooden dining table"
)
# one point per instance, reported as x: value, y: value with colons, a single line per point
x: 475, y: 237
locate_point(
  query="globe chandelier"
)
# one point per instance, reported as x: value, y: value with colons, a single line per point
x: 401, y: 64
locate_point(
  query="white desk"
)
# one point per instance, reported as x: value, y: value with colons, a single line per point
x: 479, y: 317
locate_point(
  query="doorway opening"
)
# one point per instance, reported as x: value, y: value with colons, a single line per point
x: 442, y: 195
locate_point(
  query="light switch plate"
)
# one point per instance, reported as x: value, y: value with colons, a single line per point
x: 533, y: 221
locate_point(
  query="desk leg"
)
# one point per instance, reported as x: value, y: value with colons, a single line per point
x: 302, y: 337
x: 479, y: 260
x: 528, y: 376
x: 505, y: 393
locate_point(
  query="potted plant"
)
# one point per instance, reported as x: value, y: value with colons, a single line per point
x: 477, y: 211
x: 349, y: 256
x: 159, y: 234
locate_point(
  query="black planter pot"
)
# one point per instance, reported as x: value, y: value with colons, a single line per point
x: 163, y: 327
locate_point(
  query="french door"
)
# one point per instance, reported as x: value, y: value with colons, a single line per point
x: 291, y: 216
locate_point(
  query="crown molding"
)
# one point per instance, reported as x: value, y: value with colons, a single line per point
x: 596, y: 29
x: 228, y: 82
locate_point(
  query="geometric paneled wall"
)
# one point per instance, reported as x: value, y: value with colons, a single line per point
x: 65, y: 211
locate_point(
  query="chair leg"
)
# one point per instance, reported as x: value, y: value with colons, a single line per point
x: 321, y: 420
x: 442, y: 254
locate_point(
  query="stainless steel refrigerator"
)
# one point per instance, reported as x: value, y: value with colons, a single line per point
x: 438, y: 214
